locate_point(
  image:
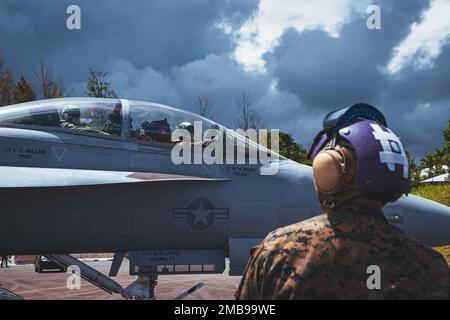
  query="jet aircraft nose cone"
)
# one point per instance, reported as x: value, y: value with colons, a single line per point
x: 426, y: 220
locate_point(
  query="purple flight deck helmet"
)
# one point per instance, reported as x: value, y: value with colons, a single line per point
x: 382, y: 165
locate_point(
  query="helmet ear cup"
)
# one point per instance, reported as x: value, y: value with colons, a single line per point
x: 329, y: 170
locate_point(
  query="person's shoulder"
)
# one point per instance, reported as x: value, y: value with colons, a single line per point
x: 432, y: 266
x: 431, y: 257
x: 432, y: 263
x: 298, y: 232
x: 287, y: 247
x: 315, y: 223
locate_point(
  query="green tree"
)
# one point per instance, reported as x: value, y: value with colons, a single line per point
x: 98, y: 85
x: 292, y: 150
x: 289, y: 148
x: 23, y: 91
x: 411, y: 159
x: 413, y: 168
x: 436, y: 161
x: 447, y: 133
x: 446, y: 147
x: 6, y: 86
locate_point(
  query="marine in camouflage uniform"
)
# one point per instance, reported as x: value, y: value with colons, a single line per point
x: 71, y: 120
x: 327, y: 257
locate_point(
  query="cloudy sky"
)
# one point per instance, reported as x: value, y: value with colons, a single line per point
x: 297, y: 59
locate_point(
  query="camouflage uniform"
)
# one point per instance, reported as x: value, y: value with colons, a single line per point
x: 327, y: 257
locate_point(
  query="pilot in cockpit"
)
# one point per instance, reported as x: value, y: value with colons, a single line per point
x: 190, y: 129
x: 71, y: 118
x: 114, y: 123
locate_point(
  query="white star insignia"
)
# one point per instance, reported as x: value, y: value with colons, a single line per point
x: 200, y: 214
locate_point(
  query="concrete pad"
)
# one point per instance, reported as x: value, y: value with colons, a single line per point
x: 23, y: 281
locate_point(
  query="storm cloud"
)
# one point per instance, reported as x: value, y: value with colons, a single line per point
x: 173, y: 51
x: 327, y: 72
x: 157, y: 33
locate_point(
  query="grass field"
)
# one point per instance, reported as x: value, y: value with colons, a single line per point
x: 439, y: 193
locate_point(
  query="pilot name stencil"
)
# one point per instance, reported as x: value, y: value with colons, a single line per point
x: 25, y: 153
x: 241, y: 171
x: 200, y: 214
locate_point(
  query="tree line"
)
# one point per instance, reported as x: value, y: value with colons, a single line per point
x: 434, y: 163
x: 45, y: 84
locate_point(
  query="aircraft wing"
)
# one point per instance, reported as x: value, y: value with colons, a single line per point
x: 27, y: 177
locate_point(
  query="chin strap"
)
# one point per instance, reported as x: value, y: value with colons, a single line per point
x: 330, y: 202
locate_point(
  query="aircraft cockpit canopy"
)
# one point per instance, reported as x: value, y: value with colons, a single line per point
x: 106, y: 118
x: 157, y: 123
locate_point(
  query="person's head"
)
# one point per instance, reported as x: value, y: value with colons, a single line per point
x: 358, y: 157
x: 146, y: 127
x: 71, y: 114
x: 188, y: 127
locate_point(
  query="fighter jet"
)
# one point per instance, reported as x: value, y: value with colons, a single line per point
x: 83, y: 175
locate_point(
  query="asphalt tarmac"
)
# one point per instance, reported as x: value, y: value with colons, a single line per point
x: 23, y: 281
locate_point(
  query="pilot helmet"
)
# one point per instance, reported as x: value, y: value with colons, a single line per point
x: 71, y: 112
x: 187, y: 126
x: 356, y: 156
